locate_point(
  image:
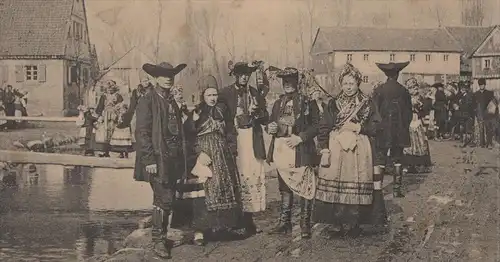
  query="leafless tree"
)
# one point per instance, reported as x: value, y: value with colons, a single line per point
x: 160, y: 14
x: 205, y: 22
x: 229, y: 37
x: 301, y: 28
x: 472, y: 12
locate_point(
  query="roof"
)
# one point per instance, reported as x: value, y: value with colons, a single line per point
x: 469, y: 37
x: 329, y: 39
x: 34, y: 27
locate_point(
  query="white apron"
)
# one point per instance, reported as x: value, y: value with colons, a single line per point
x: 252, y: 175
x: 301, y: 180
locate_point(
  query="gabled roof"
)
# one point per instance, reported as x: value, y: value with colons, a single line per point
x: 34, y: 27
x: 469, y: 37
x: 329, y: 39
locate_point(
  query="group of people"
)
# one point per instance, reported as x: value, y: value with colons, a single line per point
x: 13, y: 102
x: 109, y: 126
x: 461, y: 114
x: 206, y: 165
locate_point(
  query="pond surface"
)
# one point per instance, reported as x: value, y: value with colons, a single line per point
x: 68, y: 213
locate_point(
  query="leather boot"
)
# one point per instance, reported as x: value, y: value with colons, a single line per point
x: 160, y: 244
x: 398, y: 181
x: 379, y: 211
x: 285, y: 223
x: 250, y: 227
x: 305, y: 218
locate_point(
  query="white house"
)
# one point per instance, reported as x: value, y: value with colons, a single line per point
x: 434, y: 56
x: 45, y: 50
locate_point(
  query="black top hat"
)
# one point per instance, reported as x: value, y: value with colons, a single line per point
x: 392, y: 68
x: 288, y: 72
x: 481, y: 81
x: 241, y: 68
x: 163, y: 69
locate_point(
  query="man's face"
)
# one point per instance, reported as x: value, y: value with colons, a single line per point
x: 289, y: 85
x: 482, y: 87
x: 165, y: 82
x: 144, y: 82
x: 242, y: 79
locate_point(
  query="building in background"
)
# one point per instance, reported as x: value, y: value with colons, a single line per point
x: 45, y: 50
x: 486, y: 61
x: 434, y: 56
x: 469, y: 38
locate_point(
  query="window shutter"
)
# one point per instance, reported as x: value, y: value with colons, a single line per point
x: 19, y: 73
x: 42, y: 73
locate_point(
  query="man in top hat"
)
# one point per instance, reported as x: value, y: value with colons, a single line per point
x: 294, y: 124
x: 394, y: 103
x: 159, y: 135
x: 440, y: 109
x: 485, y: 104
x: 465, y: 113
x: 248, y: 107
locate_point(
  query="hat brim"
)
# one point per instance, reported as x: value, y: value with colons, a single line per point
x: 243, y: 69
x: 158, y: 71
x: 392, y: 67
x: 437, y: 85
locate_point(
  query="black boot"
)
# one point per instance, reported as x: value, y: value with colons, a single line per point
x: 379, y: 216
x: 250, y: 227
x: 285, y: 223
x: 305, y: 218
x: 160, y: 244
x: 398, y: 181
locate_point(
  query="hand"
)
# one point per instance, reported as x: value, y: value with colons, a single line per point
x: 293, y: 141
x: 204, y: 159
x: 100, y: 119
x: 350, y: 126
x: 196, y: 116
x: 254, y: 108
x: 152, y: 169
x: 325, y: 158
x: 272, y: 128
x: 239, y: 111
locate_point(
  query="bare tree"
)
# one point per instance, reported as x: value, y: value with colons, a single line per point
x: 229, y: 37
x: 301, y: 36
x: 205, y: 22
x: 160, y: 14
x: 472, y: 12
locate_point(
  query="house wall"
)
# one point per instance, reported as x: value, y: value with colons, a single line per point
x: 486, y: 62
x: 437, y: 69
x: 45, y: 94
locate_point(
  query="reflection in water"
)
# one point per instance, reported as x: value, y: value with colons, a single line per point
x: 57, y: 213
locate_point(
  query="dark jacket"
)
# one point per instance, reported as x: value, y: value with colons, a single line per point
x: 394, y: 104
x: 481, y: 101
x: 307, y: 117
x: 229, y: 96
x: 160, y: 137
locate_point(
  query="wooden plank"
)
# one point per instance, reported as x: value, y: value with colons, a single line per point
x: 40, y: 118
x: 25, y: 157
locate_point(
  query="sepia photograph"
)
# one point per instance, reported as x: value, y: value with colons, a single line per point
x: 250, y: 130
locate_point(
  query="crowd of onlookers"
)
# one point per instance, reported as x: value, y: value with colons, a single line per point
x: 13, y: 102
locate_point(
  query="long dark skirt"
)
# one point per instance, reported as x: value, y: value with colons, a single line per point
x: 214, y: 203
x: 351, y: 215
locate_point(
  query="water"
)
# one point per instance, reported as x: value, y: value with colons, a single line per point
x: 68, y: 213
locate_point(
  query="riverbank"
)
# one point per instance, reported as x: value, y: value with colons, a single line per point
x: 37, y: 131
x: 427, y: 225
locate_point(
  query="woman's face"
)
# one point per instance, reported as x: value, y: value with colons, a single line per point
x: 178, y: 96
x: 290, y: 85
x: 316, y: 95
x: 144, y: 82
x: 243, y: 79
x: 349, y: 85
x: 210, y: 96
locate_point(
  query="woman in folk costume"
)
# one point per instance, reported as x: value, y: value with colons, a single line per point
x: 293, y: 124
x: 346, y: 188
x: 417, y: 157
x: 87, y: 119
x: 121, y: 139
x: 213, y: 183
x: 137, y: 93
x: 248, y: 107
x: 106, y: 109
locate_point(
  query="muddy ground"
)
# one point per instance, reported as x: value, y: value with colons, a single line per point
x: 450, y: 214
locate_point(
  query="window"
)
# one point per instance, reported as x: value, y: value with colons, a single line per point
x: 392, y: 57
x: 349, y: 57
x: 412, y: 57
x: 365, y: 79
x: 366, y: 57
x: 445, y: 58
x: 428, y: 58
x: 31, y: 72
x: 77, y: 30
x: 486, y: 64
